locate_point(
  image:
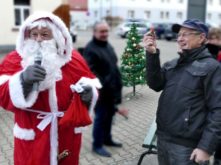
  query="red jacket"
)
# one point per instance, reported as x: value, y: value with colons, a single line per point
x: 32, y: 145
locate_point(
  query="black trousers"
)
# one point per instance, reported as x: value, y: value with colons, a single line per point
x: 174, y: 154
x: 218, y: 152
x: 102, y: 123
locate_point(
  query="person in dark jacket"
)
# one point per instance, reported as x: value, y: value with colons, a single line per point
x: 189, y: 109
x: 214, y: 45
x: 102, y: 61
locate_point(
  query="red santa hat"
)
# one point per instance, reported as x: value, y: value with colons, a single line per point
x: 59, y: 30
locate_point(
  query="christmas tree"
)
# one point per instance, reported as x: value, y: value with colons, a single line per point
x: 133, y: 61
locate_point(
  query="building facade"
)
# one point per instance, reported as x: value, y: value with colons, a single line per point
x: 152, y: 10
x: 85, y: 12
x: 14, y: 12
x: 213, y: 15
x: 79, y: 13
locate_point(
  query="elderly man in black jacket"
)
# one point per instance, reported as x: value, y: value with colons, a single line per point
x: 189, y: 110
x: 102, y: 61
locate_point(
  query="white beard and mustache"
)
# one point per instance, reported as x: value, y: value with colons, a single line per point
x: 51, y: 61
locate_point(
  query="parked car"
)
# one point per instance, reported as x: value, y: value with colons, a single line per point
x: 134, y: 20
x: 160, y: 29
x: 124, y: 28
x: 169, y: 34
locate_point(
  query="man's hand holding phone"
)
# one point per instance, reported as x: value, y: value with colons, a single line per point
x: 149, y: 41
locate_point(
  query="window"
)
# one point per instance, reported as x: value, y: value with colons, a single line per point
x: 131, y: 14
x: 162, y: 15
x: 179, y: 15
x: 147, y: 14
x: 148, y: 0
x: 209, y: 15
x: 210, y: 2
x: 162, y: 0
x: 167, y: 15
x: 21, y: 11
x: 180, y: 1
x: 22, y: 2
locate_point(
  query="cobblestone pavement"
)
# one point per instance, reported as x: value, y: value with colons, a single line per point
x: 131, y: 132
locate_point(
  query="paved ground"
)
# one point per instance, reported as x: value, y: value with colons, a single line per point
x: 131, y: 132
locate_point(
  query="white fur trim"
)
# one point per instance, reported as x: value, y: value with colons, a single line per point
x: 57, y: 22
x: 84, y: 81
x: 4, y: 78
x: 53, y: 98
x: 50, y: 118
x: 17, y: 95
x: 78, y: 130
x: 23, y: 133
x: 54, y: 126
x: 94, y: 84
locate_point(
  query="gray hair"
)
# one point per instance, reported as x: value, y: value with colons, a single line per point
x: 98, y: 23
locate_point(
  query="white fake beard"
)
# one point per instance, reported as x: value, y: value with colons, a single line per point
x: 50, y: 60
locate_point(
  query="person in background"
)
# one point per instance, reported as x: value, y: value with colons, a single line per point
x: 214, y: 43
x: 102, y: 61
x: 35, y: 82
x: 189, y: 108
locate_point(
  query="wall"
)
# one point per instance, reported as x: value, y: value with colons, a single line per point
x: 8, y: 30
x: 7, y: 23
x: 46, y: 5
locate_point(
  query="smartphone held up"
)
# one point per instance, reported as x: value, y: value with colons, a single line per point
x: 147, y: 41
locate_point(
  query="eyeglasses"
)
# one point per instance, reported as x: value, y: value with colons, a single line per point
x: 186, y: 34
x: 45, y: 35
x: 103, y: 31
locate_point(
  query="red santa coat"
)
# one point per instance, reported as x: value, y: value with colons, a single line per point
x: 33, y: 146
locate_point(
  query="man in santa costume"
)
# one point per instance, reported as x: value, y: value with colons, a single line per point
x: 49, y: 88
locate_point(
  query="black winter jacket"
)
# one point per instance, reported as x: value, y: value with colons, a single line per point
x: 189, y: 109
x: 102, y: 61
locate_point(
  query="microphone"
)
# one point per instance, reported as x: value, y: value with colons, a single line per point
x: 37, y: 60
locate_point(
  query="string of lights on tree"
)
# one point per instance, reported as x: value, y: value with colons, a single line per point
x: 133, y: 61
